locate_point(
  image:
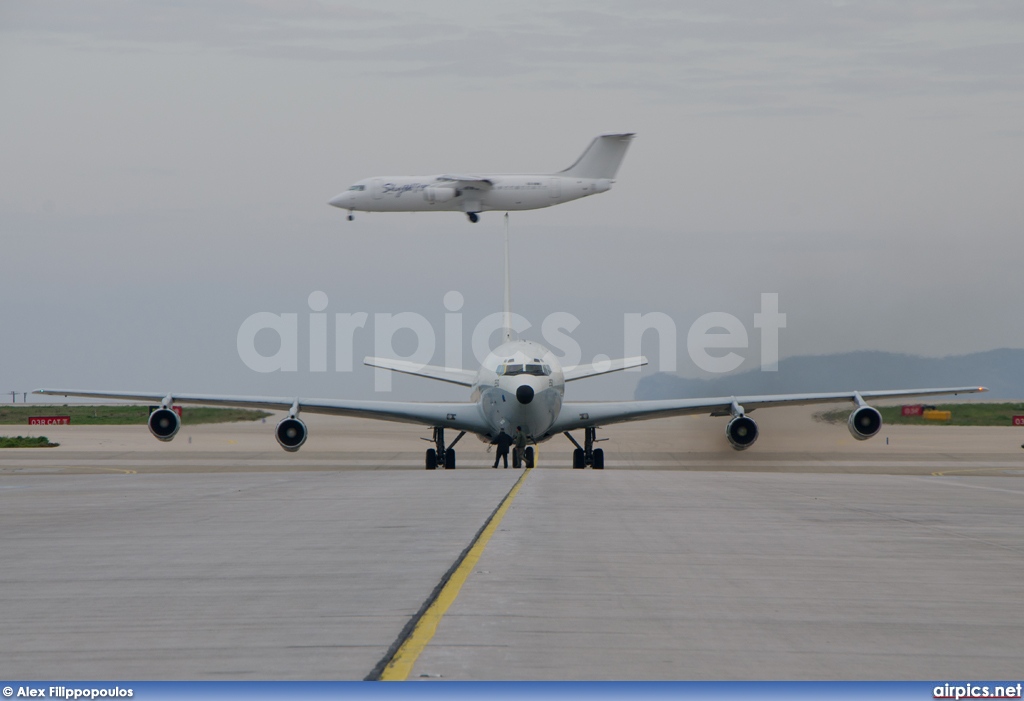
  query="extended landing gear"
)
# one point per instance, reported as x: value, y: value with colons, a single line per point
x: 587, y: 455
x: 351, y: 217
x: 439, y: 456
x: 528, y: 457
x: 473, y: 217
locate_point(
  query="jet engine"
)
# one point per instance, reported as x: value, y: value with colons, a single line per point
x: 291, y: 433
x: 741, y: 432
x: 439, y: 194
x: 164, y: 423
x: 864, y: 422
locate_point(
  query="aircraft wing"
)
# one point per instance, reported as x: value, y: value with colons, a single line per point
x: 461, y: 416
x: 461, y: 178
x: 575, y: 415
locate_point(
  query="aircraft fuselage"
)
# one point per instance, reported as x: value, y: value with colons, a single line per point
x: 425, y: 193
x: 520, y: 383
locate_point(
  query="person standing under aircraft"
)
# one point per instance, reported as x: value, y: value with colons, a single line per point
x: 519, y: 438
x: 503, y: 441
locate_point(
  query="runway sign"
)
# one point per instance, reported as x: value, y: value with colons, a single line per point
x: 49, y: 420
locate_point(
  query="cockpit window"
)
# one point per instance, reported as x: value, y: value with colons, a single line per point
x: 358, y: 188
x: 524, y: 369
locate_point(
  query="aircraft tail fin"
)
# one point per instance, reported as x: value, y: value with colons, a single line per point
x: 601, y: 159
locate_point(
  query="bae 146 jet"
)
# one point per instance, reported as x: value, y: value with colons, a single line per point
x: 521, y: 383
x: 593, y: 172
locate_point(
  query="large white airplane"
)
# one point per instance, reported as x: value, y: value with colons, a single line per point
x: 592, y: 172
x: 520, y: 383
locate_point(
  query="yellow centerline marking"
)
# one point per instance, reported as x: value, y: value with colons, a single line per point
x: 401, y: 664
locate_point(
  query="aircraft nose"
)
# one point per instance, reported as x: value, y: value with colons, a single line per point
x: 339, y: 200
x: 524, y: 394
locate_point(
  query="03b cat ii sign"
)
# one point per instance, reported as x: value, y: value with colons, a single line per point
x: 49, y: 420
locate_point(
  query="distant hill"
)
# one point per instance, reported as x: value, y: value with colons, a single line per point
x: 1002, y: 371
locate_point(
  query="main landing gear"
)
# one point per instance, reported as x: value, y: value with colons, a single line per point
x: 587, y: 455
x: 439, y: 456
x: 473, y: 217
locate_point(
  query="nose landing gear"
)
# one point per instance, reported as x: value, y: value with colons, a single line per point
x: 529, y: 457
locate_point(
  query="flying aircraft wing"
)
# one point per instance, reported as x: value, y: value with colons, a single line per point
x: 468, y: 179
x: 577, y: 415
x: 461, y: 416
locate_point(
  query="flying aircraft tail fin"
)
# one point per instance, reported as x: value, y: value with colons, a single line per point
x: 601, y: 159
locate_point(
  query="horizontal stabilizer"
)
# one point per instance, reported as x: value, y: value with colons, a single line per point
x: 456, y: 376
x: 591, y: 369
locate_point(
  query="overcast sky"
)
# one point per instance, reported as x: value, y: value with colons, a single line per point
x: 165, y: 168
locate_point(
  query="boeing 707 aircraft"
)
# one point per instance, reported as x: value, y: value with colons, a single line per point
x: 592, y: 172
x: 520, y: 383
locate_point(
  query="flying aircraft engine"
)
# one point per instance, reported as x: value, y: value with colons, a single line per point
x: 439, y: 194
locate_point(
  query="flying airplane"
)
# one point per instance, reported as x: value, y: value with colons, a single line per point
x: 520, y: 383
x: 592, y: 172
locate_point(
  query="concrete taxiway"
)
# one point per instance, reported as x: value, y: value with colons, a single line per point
x: 811, y: 556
